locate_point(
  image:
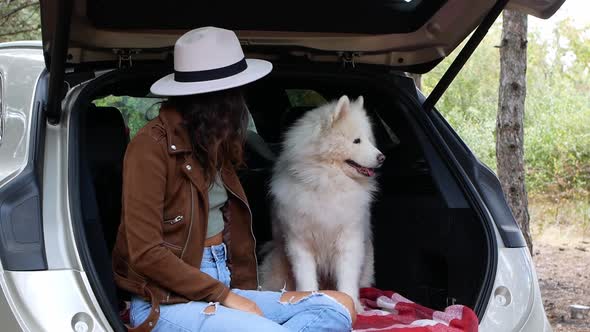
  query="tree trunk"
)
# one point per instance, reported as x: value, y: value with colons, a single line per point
x: 509, y: 122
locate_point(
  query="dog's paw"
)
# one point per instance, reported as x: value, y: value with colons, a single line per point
x: 358, y: 306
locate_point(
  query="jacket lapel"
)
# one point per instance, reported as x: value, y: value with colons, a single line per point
x: 232, y: 182
x: 177, y: 137
x: 194, y: 172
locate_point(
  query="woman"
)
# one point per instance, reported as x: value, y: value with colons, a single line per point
x: 185, y: 248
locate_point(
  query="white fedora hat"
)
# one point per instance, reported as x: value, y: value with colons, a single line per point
x: 209, y: 59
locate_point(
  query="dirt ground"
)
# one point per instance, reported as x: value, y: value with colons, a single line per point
x: 562, y: 261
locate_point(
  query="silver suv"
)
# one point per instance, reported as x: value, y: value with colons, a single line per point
x: 70, y: 104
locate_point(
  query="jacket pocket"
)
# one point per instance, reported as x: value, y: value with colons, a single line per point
x: 174, y: 228
x: 174, y: 220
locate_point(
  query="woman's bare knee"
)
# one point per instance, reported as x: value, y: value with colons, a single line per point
x: 210, y: 309
x: 345, y: 300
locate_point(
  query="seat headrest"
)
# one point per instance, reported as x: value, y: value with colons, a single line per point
x: 106, y: 135
x: 104, y: 116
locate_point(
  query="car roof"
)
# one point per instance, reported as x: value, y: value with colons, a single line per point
x: 35, y: 44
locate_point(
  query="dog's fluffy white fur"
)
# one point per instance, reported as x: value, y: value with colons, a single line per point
x: 321, y: 203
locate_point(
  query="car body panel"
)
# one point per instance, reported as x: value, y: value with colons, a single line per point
x: 539, y: 8
x: 52, y: 300
x: 515, y: 304
x: 60, y: 296
x: 60, y: 242
x: 18, y: 87
x: 428, y: 43
x: 7, y: 315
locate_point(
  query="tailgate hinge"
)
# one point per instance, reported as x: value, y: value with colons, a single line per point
x: 124, y: 55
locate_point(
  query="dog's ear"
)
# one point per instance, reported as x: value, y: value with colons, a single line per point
x: 342, y: 107
x: 360, y: 101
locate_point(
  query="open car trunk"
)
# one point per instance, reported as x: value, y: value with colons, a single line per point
x: 432, y: 244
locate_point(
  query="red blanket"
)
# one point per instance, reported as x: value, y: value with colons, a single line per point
x: 387, y: 311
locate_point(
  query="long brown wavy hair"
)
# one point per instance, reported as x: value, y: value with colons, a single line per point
x: 217, y: 124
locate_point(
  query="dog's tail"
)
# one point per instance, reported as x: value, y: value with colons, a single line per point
x: 273, y: 271
x: 266, y: 248
x: 265, y: 265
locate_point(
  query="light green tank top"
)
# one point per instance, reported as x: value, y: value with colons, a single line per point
x: 217, y: 198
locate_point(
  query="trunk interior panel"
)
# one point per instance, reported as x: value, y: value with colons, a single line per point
x: 430, y: 244
x: 373, y: 17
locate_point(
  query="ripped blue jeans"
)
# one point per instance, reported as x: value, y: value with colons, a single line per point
x: 316, y: 312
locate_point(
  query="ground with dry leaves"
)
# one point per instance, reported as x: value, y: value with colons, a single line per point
x: 562, y: 260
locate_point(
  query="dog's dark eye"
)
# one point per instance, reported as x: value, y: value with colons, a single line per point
x: 357, y: 141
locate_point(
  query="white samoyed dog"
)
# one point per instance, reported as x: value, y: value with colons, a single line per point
x: 322, y: 187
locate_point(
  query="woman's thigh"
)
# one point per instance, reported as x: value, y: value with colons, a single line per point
x: 298, y: 311
x: 201, y: 316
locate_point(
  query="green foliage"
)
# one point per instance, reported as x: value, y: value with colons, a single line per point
x: 556, y: 213
x: 302, y: 98
x: 19, y: 20
x: 136, y: 111
x: 557, y: 119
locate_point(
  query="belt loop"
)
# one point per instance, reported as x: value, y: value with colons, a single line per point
x: 152, y: 318
x: 219, y: 252
x: 214, y: 254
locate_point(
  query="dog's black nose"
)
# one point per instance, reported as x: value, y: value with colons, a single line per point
x: 381, y: 158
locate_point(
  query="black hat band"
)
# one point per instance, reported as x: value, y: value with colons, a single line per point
x: 210, y: 74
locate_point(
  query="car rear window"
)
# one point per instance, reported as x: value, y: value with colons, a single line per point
x: 304, y: 98
x: 136, y: 111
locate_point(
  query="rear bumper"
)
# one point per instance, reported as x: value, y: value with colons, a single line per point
x: 48, y: 301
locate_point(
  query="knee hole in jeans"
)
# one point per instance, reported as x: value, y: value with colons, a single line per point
x: 341, y: 298
x: 211, y: 309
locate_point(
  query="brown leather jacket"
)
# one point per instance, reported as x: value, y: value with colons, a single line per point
x: 160, y: 241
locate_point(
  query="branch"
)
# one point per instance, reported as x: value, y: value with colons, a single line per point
x: 6, y: 16
x: 29, y: 17
x: 12, y: 33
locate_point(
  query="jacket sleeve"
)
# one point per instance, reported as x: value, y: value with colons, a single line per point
x: 144, y: 187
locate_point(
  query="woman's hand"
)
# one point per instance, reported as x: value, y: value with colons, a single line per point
x: 235, y: 301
